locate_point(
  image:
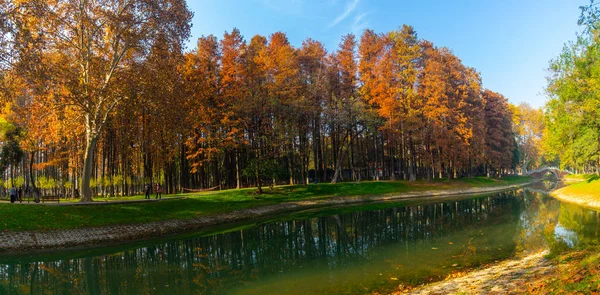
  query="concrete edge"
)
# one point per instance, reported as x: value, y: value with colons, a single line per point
x: 32, y: 241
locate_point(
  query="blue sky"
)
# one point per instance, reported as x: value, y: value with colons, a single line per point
x: 510, y: 42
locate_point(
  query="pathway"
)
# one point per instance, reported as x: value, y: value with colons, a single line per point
x: 95, y: 203
x: 507, y: 277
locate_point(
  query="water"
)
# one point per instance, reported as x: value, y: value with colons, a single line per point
x: 354, y: 250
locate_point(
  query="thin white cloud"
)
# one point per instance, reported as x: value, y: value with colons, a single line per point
x: 360, y: 23
x: 349, y: 8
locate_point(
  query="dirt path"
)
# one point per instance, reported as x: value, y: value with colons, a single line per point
x: 507, y: 277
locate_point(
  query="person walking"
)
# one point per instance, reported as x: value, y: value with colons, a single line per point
x: 148, y: 191
x: 12, y: 192
x: 158, y: 191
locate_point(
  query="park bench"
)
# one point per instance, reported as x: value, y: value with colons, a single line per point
x: 51, y: 199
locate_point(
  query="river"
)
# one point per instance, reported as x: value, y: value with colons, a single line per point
x: 345, y: 250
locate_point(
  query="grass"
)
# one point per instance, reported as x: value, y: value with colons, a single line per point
x: 578, y: 272
x: 580, y: 176
x: 584, y: 193
x: 42, y: 218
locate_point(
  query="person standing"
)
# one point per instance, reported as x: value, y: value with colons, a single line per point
x: 12, y: 192
x: 148, y: 191
x: 158, y: 191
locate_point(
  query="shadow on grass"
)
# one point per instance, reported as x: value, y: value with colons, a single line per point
x: 593, y: 178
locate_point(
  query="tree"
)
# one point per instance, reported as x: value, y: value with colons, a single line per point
x: 282, y: 86
x: 10, y: 150
x: 205, y: 104
x: 370, y: 50
x: 572, y: 115
x: 83, y: 48
x: 256, y: 108
x: 233, y: 113
x: 313, y: 76
x: 233, y: 47
x: 499, y: 135
x: 528, y: 124
x: 407, y: 53
x: 347, y: 109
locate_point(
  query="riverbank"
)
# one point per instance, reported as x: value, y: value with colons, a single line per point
x: 508, y: 277
x: 36, y: 217
x: 585, y: 193
x: 572, y: 272
x: 36, y: 240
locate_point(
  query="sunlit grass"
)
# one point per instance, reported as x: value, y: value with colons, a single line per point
x: 577, y: 272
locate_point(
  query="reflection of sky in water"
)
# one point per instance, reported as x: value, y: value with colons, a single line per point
x: 565, y: 235
x: 525, y: 224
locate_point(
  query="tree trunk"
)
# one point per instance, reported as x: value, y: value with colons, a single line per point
x: 257, y: 175
x: 36, y: 196
x: 237, y: 170
x: 86, y: 191
x: 290, y: 168
x: 411, y: 158
x: 338, y: 168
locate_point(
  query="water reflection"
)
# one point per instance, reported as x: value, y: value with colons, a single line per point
x: 355, y: 252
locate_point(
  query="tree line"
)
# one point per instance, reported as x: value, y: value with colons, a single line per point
x: 102, y: 95
x: 572, y: 114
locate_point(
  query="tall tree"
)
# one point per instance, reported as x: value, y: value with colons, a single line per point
x: 572, y: 115
x: 232, y: 89
x: 528, y: 124
x: 85, y: 46
x: 499, y: 135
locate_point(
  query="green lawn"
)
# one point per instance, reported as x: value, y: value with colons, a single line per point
x: 580, y: 176
x: 585, y: 192
x: 24, y: 217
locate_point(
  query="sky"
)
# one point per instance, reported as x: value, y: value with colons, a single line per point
x: 510, y: 42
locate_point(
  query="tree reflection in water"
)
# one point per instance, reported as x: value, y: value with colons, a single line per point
x: 353, y: 252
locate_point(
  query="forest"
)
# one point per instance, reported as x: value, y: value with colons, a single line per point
x: 104, y: 96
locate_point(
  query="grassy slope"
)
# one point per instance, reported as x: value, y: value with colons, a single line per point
x: 22, y: 217
x: 584, y: 193
x: 578, y: 272
x: 580, y: 176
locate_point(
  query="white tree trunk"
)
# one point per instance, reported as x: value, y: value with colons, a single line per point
x: 86, y: 191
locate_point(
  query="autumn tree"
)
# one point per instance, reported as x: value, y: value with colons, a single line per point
x: 233, y: 48
x: 370, y: 51
x: 205, y: 103
x: 84, y: 47
x: 528, y: 125
x: 348, y: 112
x: 283, y: 84
x: 499, y: 135
x: 313, y: 83
x: 106, y: 97
x: 256, y: 107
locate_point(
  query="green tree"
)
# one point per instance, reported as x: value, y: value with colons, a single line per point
x: 572, y: 115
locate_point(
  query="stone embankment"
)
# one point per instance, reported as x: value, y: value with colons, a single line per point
x: 32, y: 241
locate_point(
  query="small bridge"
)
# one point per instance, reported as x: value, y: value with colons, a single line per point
x: 540, y: 172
